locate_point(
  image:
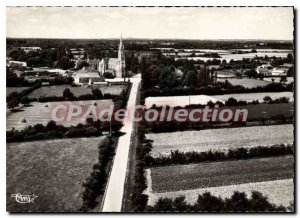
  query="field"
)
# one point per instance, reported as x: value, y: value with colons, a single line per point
x: 42, y: 113
x: 48, y: 91
x: 174, y: 101
x: 192, y: 178
x: 266, y: 110
x: 245, y: 82
x: 10, y: 90
x: 53, y: 170
x: 249, y: 97
x: 277, y: 79
x: 220, y: 139
x: 279, y: 192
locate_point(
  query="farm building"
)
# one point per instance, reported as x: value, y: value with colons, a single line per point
x: 87, y: 76
x: 268, y: 70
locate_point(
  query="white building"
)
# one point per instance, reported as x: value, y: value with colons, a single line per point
x: 116, y: 66
x: 268, y: 70
x: 87, y: 76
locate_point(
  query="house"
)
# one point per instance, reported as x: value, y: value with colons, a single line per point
x: 87, y: 76
x: 279, y: 72
x: 265, y: 69
x: 16, y: 63
x: 268, y: 70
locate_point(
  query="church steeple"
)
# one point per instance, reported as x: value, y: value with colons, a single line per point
x: 121, y: 58
x: 121, y: 48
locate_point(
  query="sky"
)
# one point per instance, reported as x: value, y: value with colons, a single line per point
x: 161, y: 23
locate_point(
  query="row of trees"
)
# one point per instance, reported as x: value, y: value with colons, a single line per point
x: 238, y: 202
x: 221, y: 88
x: 54, y: 131
x: 94, y: 185
x: 57, y: 57
x: 177, y: 157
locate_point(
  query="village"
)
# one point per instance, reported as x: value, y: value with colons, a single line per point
x: 215, y: 134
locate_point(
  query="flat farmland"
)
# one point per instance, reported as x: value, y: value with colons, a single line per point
x: 42, y: 113
x: 279, y: 192
x: 48, y: 91
x: 53, y: 170
x: 10, y: 90
x: 277, y: 79
x: 220, y: 139
x: 177, y: 180
x: 249, y: 97
x: 267, y: 110
x: 182, y: 101
x: 245, y: 82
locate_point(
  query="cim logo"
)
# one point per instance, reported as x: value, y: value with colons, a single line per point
x: 24, y: 199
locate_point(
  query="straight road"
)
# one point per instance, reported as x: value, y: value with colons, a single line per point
x: 114, y: 191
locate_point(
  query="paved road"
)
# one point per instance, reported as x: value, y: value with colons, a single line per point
x: 115, y: 188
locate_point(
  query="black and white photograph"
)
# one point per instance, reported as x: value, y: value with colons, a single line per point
x: 150, y: 109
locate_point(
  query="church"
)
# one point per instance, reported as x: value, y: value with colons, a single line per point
x: 95, y: 72
x: 116, y: 66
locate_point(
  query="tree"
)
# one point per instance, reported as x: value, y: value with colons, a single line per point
x: 283, y: 79
x: 290, y: 58
x: 12, y: 103
x: 51, y: 125
x: 190, y: 79
x: 267, y: 99
x: 97, y: 93
x: 67, y: 94
x: 251, y: 73
x: 231, y: 102
x: 25, y: 100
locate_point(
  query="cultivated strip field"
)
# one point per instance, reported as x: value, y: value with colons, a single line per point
x: 42, y: 113
x: 223, y: 176
x: 182, y: 101
x: 279, y: 192
x: 48, y: 91
x: 53, y: 170
x: 10, y: 90
x: 245, y: 82
x: 220, y: 139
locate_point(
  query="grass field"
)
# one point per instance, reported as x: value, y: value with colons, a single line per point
x: 220, y: 139
x: 48, y: 91
x: 10, y: 90
x: 41, y: 113
x: 245, y: 82
x: 249, y: 97
x: 53, y: 170
x: 174, y: 101
x: 224, y: 177
x: 267, y: 110
x: 277, y: 79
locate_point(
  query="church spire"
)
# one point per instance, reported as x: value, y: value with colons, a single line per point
x: 121, y: 43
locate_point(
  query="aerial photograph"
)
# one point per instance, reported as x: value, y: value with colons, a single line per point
x: 150, y: 110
